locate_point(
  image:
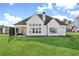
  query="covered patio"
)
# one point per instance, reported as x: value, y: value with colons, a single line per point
x: 20, y: 29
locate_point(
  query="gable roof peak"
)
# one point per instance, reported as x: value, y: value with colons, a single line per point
x: 47, y: 20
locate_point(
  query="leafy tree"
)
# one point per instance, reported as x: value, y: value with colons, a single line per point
x: 76, y: 22
x: 67, y: 21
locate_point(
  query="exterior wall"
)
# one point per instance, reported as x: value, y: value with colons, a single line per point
x: 61, y: 29
x: 53, y: 24
x: 35, y: 20
x: 44, y: 30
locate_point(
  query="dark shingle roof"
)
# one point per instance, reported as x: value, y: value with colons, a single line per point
x: 61, y: 23
x: 48, y: 19
x: 40, y: 15
x: 23, y: 22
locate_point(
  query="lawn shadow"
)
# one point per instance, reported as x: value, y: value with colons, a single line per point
x: 60, y: 41
x: 11, y: 38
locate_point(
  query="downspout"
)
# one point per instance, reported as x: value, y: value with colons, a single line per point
x: 15, y: 31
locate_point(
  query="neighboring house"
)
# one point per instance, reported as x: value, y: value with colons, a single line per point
x: 4, y: 29
x: 69, y: 27
x: 1, y: 28
x: 74, y: 26
x: 41, y: 25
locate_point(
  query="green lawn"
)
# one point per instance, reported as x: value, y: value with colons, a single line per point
x: 39, y: 46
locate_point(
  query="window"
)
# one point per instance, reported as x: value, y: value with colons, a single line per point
x: 53, y: 30
x: 33, y: 30
x: 23, y: 29
x: 39, y: 30
x: 39, y: 24
x: 33, y: 24
x: 36, y: 30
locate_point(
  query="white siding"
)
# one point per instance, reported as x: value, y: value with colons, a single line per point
x: 35, y: 20
x: 61, y: 30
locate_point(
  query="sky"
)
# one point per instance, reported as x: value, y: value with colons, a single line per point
x: 11, y: 13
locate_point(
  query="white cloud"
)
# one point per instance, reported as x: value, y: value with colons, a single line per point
x: 44, y: 7
x: 11, y: 3
x: 4, y: 22
x: 12, y: 19
x: 1, y: 23
x: 41, y: 8
x: 58, y: 8
x: 61, y: 17
x: 67, y: 4
x: 75, y: 13
x: 50, y: 6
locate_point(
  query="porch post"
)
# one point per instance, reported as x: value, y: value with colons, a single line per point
x: 15, y: 31
x: 19, y: 29
x: 26, y: 31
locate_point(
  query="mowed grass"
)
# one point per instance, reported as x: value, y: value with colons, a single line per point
x: 39, y: 46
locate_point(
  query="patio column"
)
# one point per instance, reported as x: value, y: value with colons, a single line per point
x: 15, y: 31
x: 26, y: 31
x: 3, y: 30
x: 19, y: 29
